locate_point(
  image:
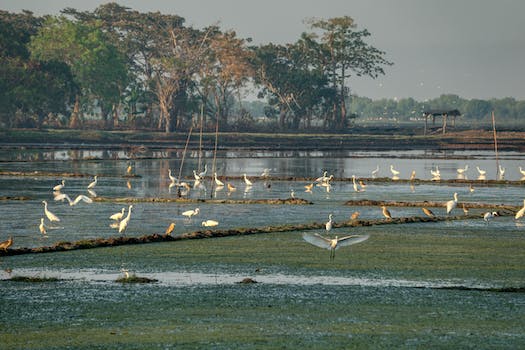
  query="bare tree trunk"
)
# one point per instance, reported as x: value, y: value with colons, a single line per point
x: 74, y: 121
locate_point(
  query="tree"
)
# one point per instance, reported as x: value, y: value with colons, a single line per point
x: 98, y: 67
x: 343, y: 51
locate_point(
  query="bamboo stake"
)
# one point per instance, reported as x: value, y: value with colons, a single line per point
x: 495, y: 143
x: 200, y: 138
x: 214, y: 157
x: 184, y: 153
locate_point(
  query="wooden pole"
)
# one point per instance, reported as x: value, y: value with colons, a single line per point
x: 495, y: 142
x: 184, y: 153
x: 214, y: 158
x: 200, y: 138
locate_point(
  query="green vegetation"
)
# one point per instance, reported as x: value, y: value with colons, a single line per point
x: 33, y: 279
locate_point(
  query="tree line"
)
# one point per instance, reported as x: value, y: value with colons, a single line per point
x: 115, y: 67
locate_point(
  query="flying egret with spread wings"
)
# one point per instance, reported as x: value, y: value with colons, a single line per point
x: 333, y: 243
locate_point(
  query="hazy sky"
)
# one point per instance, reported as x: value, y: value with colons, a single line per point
x: 472, y: 48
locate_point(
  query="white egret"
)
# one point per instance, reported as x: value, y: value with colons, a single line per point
x: 124, y: 223
x: 375, y: 171
x: 521, y: 212
x: 247, y: 181
x: 471, y: 188
x: 335, y: 243
x: 170, y: 229
x: 196, y: 176
x: 413, y: 175
x: 393, y: 171
x: 322, y: 178
x: 362, y: 184
x: 202, y: 174
x: 428, y: 212
x: 218, y: 182
x: 42, y: 227
x: 328, y: 225
x: 265, y: 173
x: 6, y: 244
x: 481, y: 171
x: 501, y: 172
x: 435, y: 173
x: 59, y: 187
x: 522, y: 171
x: 93, y: 183
x: 210, y: 223
x: 354, y: 183
x: 292, y: 193
x: 190, y: 213
x: 386, y: 213
x: 50, y: 215
x: 173, y: 179
x: 452, y: 203
x: 78, y: 198
x: 489, y: 216
x: 462, y: 170
x: 118, y: 216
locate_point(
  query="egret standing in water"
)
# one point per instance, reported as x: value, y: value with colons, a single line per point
x: 42, y: 227
x: 118, y: 216
x: 452, y: 203
x: 49, y: 215
x: 335, y: 243
x: 57, y: 188
x: 247, y: 181
x: 521, y: 212
x: 93, y: 183
x: 190, y: 213
x: 393, y: 171
x: 218, y: 182
x: 124, y: 223
x: 375, y: 171
x: 210, y: 223
x: 329, y: 223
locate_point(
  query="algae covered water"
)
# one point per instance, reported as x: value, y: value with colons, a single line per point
x: 450, y: 284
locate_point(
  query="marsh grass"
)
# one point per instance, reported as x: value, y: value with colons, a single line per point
x: 33, y: 279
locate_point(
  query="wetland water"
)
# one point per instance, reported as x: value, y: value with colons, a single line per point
x: 421, y: 285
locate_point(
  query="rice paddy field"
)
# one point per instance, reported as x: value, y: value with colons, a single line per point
x: 440, y: 285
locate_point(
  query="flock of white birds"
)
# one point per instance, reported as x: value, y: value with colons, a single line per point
x: 121, y: 220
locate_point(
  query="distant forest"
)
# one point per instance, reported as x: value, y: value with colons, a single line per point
x: 117, y: 68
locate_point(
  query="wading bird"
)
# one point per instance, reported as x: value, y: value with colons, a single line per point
x: 190, y: 213
x: 49, y: 215
x: 522, y: 171
x: 375, y: 171
x: 202, y: 174
x: 428, y: 212
x: 452, y: 203
x: 328, y: 225
x: 521, y: 212
x: 210, y: 223
x: 435, y: 173
x: 129, y: 169
x: 59, y: 187
x: 118, y: 216
x: 247, y: 181
x: 354, y: 215
x: 489, y: 216
x: 265, y: 173
x: 78, y: 198
x: 481, y: 171
x: 501, y: 172
x: 413, y: 175
x: 471, y: 188
x: 231, y: 188
x: 170, y: 229
x: 218, y: 182
x: 386, y: 213
x: 124, y: 223
x: 393, y: 171
x: 335, y: 243
x: 6, y: 244
x: 354, y: 183
x: 465, y: 209
x: 196, y: 176
x: 42, y: 227
x: 93, y: 183
x: 308, y: 188
x: 173, y: 179
x: 462, y: 170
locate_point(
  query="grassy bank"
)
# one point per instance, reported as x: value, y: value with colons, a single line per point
x: 374, y: 139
